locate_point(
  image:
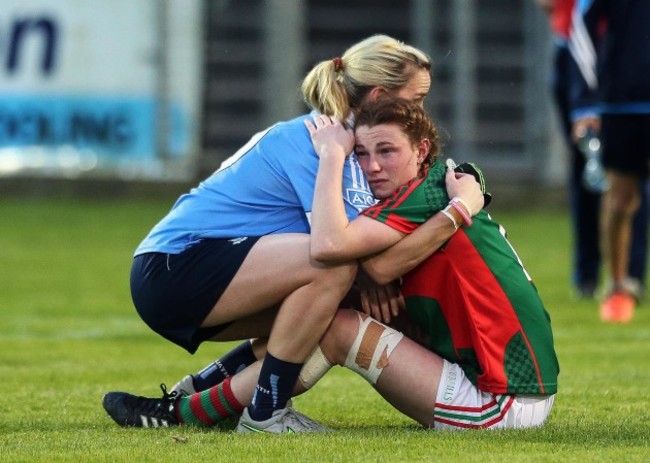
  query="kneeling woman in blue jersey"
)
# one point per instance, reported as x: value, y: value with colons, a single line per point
x: 231, y: 260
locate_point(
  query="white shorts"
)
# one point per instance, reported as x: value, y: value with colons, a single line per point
x: 460, y: 405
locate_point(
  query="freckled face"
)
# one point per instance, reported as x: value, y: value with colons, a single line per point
x: 387, y: 157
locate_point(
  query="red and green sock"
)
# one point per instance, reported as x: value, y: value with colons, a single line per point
x: 209, y: 407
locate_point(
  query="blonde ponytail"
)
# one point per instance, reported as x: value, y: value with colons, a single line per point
x: 337, y: 87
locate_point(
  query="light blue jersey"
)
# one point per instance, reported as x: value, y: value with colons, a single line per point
x: 266, y: 187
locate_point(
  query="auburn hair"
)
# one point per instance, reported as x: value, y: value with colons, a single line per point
x: 412, y: 118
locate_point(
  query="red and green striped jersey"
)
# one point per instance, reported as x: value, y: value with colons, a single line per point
x: 473, y: 296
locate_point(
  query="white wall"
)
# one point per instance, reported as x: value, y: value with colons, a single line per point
x: 82, y: 83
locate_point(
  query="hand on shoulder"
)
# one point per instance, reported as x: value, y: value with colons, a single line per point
x: 330, y: 137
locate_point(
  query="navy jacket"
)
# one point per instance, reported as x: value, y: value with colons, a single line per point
x: 610, y: 43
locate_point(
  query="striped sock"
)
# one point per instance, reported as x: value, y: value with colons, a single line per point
x: 208, y: 407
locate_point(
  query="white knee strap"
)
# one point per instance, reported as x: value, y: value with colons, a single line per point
x: 372, y: 348
x: 314, y: 368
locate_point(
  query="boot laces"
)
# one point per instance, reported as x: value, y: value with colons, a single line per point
x: 158, y: 408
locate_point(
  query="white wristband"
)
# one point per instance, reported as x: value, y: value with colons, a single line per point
x: 450, y: 217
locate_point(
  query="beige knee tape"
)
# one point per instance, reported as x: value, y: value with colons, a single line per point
x: 314, y: 368
x: 371, y: 349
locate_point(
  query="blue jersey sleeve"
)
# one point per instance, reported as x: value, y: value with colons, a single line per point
x: 266, y: 187
x: 356, y: 191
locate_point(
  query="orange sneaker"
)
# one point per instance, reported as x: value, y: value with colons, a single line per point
x: 618, y: 307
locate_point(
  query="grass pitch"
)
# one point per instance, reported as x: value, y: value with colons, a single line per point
x: 68, y: 334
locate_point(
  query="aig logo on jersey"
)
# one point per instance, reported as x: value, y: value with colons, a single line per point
x: 360, y: 198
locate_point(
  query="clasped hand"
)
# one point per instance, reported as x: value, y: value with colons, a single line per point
x: 330, y: 137
x: 381, y: 302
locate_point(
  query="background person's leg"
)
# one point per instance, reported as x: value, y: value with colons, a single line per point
x: 639, y: 246
x: 620, y: 203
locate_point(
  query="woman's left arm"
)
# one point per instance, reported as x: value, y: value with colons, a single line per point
x: 409, y: 252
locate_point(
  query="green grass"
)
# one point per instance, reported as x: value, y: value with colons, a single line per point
x: 68, y: 334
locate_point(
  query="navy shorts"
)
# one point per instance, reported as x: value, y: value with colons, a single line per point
x: 173, y: 293
x: 626, y: 143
